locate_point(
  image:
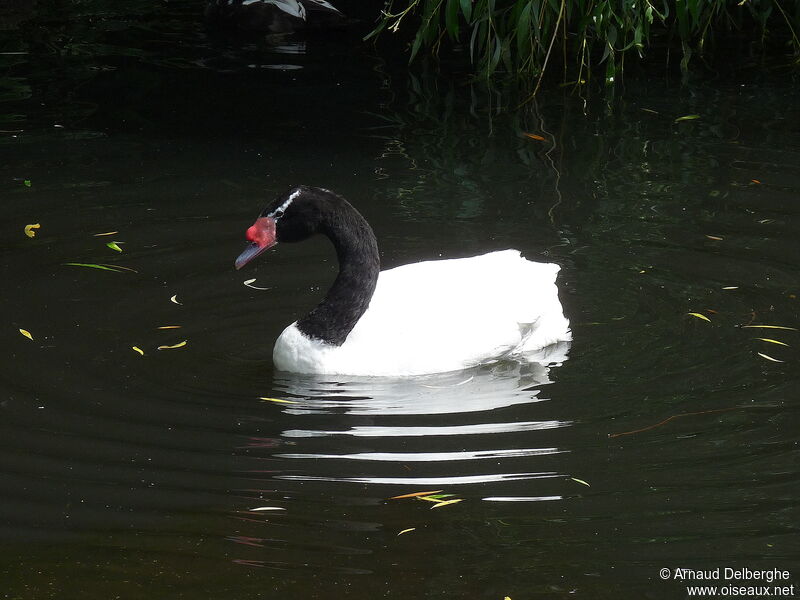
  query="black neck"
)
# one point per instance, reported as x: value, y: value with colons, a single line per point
x: 348, y: 299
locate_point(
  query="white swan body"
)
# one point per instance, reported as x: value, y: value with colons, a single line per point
x: 437, y: 316
x: 427, y: 317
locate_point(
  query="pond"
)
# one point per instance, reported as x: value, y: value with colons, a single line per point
x: 663, y: 438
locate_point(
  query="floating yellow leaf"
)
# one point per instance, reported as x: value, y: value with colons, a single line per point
x: 178, y: 345
x: 29, y: 229
x: 26, y: 333
x: 533, y: 136
x: 115, y: 246
x: 170, y: 327
x: 581, y: 481
x: 768, y: 357
x: 446, y: 502
x: 769, y: 327
x: 415, y: 494
x: 105, y: 233
x: 406, y: 531
x: 279, y: 400
x: 771, y: 341
x: 139, y: 350
x: 699, y: 316
x: 687, y: 118
x: 174, y: 299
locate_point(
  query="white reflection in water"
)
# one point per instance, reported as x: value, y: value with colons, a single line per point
x: 430, y: 456
x: 484, y: 388
x: 455, y: 480
x: 385, y: 431
x: 481, y: 420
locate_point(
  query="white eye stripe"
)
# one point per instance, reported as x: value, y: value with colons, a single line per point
x: 278, y: 212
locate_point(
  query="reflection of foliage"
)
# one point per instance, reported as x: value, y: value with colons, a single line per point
x: 439, y: 134
x: 523, y: 36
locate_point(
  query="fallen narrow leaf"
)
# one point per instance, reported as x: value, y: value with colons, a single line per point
x: 768, y: 357
x: 755, y: 181
x: 435, y: 497
x: 715, y: 237
x: 105, y: 233
x: 178, y: 345
x: 771, y: 341
x: 581, y: 481
x: 115, y: 268
x: 769, y: 327
x: 446, y: 502
x: 533, y: 136
x: 731, y: 287
x: 139, y: 350
x: 650, y: 110
x: 170, y: 327
x: 687, y: 118
x: 26, y: 333
x: 115, y: 246
x: 406, y: 531
x: 279, y: 400
x: 263, y: 508
x: 699, y: 316
x: 414, y: 494
x: 30, y: 229
x: 248, y: 283
x: 175, y: 299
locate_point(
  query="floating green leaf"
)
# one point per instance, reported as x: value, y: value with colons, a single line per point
x: 687, y: 118
x: 581, y: 481
x: 115, y: 246
x: 115, y: 268
x: 435, y: 497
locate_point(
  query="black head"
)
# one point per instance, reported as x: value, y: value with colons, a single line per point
x: 291, y: 217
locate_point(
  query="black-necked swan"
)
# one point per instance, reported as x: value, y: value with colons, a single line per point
x: 420, y: 318
x: 274, y: 16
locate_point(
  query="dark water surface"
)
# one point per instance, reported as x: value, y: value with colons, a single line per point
x: 166, y: 476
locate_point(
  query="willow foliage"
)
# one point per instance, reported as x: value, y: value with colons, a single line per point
x: 592, y: 36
